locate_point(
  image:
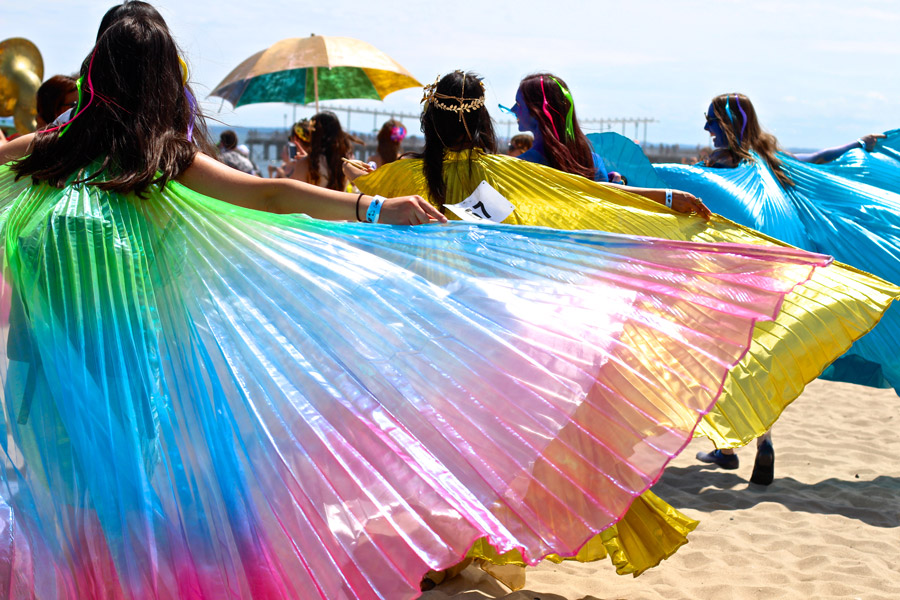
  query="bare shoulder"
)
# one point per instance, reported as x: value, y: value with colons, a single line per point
x: 301, y: 169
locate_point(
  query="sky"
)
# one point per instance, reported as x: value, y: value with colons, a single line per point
x: 819, y: 73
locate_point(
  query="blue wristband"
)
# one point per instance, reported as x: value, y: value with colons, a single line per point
x: 668, y: 198
x: 374, y: 210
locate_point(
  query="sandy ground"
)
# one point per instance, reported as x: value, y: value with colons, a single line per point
x: 828, y: 527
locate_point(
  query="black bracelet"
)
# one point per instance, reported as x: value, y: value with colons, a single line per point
x: 356, y: 212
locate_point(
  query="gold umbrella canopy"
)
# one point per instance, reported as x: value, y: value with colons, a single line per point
x: 21, y: 72
x: 304, y: 70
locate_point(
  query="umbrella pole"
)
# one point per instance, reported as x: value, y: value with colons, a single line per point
x: 316, y: 86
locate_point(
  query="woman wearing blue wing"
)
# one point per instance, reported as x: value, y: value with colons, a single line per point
x: 800, y: 200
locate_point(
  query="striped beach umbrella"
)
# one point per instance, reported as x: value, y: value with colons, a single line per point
x: 305, y: 70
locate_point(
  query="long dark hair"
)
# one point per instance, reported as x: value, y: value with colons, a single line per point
x: 129, y: 8
x: 738, y: 121
x: 330, y: 141
x: 565, y: 148
x: 390, y: 138
x: 135, y: 116
x: 446, y: 129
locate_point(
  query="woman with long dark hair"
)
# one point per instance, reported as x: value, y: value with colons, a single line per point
x: 459, y: 137
x: 329, y: 145
x: 454, y: 105
x: 204, y: 400
x: 544, y: 107
x: 732, y: 122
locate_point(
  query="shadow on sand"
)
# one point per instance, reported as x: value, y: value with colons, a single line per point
x: 875, y: 502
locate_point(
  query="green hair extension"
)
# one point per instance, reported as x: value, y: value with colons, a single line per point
x: 570, y: 116
x: 74, y: 110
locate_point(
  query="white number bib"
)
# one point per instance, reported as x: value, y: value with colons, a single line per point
x: 485, y: 204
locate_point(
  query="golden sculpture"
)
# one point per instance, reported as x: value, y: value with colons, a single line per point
x: 21, y: 73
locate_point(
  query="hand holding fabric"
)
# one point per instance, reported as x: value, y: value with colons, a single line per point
x: 868, y: 141
x: 409, y: 210
x: 685, y: 202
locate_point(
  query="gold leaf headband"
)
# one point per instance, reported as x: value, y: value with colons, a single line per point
x: 464, y: 105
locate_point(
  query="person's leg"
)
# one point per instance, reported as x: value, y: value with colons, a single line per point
x: 764, y: 465
x: 725, y: 459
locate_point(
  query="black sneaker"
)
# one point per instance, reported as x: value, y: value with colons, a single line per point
x: 764, y: 466
x: 719, y: 458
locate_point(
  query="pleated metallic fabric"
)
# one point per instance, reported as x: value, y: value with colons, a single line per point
x: 879, y: 168
x: 824, y: 211
x: 818, y: 322
x: 203, y: 401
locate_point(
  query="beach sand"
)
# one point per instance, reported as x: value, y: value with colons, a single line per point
x: 828, y: 527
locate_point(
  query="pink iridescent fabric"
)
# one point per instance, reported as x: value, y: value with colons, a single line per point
x: 201, y: 401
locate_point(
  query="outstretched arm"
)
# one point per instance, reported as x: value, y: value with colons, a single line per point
x: 867, y: 142
x: 683, y: 202
x: 208, y: 176
x: 212, y: 178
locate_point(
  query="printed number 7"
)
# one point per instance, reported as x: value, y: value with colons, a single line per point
x: 479, y: 206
